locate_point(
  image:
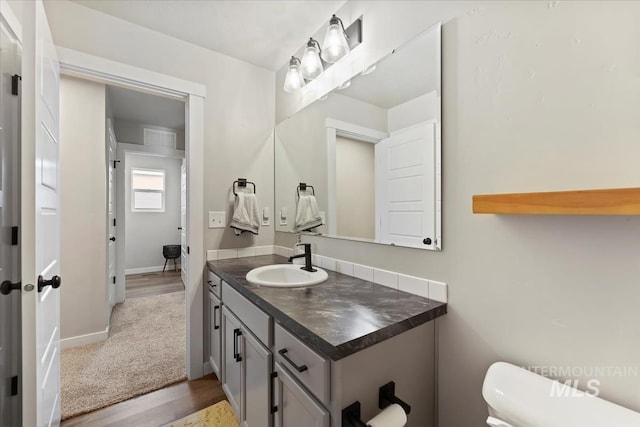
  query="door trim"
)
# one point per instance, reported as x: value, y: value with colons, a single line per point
x: 90, y: 67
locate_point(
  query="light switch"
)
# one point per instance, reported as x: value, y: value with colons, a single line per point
x: 217, y: 219
x: 265, y: 216
x: 283, y: 216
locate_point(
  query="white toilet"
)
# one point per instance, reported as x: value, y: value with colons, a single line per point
x: 520, y: 398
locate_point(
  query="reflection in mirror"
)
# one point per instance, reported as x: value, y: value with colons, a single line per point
x: 371, y: 151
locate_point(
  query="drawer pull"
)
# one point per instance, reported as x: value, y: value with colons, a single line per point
x: 215, y: 308
x: 283, y: 353
x: 236, y: 353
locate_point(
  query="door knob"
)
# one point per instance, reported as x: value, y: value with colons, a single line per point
x: 427, y: 241
x: 54, y: 282
x: 112, y: 238
x: 6, y: 287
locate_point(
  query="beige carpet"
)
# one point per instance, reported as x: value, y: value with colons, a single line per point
x: 144, y: 352
x: 218, y: 415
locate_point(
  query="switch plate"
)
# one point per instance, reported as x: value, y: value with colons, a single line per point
x: 217, y: 219
x: 283, y: 216
x: 266, y: 220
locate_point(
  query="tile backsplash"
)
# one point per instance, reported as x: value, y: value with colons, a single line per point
x: 426, y: 288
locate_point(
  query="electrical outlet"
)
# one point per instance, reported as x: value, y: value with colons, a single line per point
x: 217, y: 219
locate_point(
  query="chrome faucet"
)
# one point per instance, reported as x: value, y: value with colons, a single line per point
x: 307, y: 257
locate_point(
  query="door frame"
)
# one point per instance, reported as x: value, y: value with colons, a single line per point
x: 89, y: 67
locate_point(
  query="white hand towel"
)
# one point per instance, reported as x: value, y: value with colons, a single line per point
x: 307, y: 213
x: 245, y: 214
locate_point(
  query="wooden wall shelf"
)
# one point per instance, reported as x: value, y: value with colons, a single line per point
x: 616, y: 201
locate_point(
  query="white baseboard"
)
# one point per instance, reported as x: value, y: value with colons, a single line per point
x: 84, y: 339
x: 129, y: 271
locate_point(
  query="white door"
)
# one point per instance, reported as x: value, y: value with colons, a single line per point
x: 40, y: 222
x: 111, y: 272
x: 9, y: 218
x: 405, y: 187
x: 183, y: 221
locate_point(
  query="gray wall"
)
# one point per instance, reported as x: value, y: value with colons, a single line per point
x: 537, y: 96
x: 239, y: 109
x: 83, y: 209
x: 147, y: 232
x: 133, y: 132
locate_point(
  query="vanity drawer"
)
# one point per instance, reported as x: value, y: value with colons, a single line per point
x: 258, y: 322
x: 311, y: 369
x: 214, y: 283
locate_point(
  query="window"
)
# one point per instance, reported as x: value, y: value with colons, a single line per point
x: 147, y: 190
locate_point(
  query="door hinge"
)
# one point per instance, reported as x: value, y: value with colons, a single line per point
x: 15, y: 232
x: 114, y: 280
x: 15, y: 84
x: 114, y: 222
x: 188, y: 250
x: 14, y: 386
x: 114, y: 163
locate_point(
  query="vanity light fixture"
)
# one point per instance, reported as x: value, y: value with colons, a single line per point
x: 311, y: 66
x: 338, y: 43
x: 335, y: 45
x: 293, y: 81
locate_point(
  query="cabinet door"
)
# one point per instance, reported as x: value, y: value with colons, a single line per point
x: 257, y: 374
x: 231, y: 361
x: 215, y: 333
x: 296, y: 407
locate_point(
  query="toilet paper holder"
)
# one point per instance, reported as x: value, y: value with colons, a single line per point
x: 386, y: 396
x: 351, y: 416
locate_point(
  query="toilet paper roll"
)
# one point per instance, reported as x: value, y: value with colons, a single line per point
x: 391, y: 416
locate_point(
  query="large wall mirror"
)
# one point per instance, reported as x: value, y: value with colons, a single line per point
x: 363, y: 162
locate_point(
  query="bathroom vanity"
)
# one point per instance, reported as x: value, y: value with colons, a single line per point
x: 298, y: 357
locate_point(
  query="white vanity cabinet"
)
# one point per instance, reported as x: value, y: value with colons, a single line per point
x: 246, y: 361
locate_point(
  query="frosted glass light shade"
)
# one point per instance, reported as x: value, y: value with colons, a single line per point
x: 335, y: 45
x: 293, y: 81
x: 311, y: 66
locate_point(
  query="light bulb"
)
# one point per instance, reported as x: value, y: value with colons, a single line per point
x: 293, y: 81
x: 335, y: 44
x: 311, y: 66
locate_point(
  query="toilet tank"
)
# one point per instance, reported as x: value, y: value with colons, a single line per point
x: 520, y: 398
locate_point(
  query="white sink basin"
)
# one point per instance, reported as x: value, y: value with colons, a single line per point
x: 285, y: 276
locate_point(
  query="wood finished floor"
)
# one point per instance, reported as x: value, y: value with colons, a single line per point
x: 156, y: 408
x: 151, y: 284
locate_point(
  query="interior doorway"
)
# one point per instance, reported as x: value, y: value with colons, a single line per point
x: 136, y: 179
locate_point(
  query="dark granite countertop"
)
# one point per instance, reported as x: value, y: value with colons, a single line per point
x: 336, y: 318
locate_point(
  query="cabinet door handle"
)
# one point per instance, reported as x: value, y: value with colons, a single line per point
x: 215, y: 308
x: 283, y: 352
x: 274, y: 408
x: 236, y: 352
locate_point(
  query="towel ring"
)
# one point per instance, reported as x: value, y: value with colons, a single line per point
x: 303, y: 186
x: 242, y: 183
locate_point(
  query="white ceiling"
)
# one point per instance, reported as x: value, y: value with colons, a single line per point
x: 144, y: 108
x: 263, y: 32
x: 402, y: 76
